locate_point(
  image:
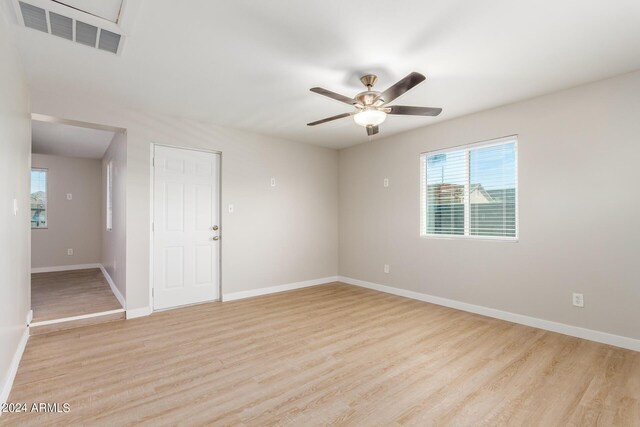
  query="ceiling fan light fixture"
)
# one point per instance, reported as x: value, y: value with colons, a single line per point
x: 371, y: 106
x: 370, y: 117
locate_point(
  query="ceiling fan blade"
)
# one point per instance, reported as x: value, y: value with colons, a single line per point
x: 329, y: 119
x: 333, y: 95
x: 405, y: 110
x: 402, y: 86
x: 372, y: 130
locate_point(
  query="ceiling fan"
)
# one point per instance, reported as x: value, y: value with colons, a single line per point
x: 371, y: 106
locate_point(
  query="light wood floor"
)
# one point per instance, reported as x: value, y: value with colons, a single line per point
x: 70, y: 293
x: 333, y: 354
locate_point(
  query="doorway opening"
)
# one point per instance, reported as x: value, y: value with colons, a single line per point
x: 78, y: 234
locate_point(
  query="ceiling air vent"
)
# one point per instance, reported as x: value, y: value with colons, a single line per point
x: 109, y: 41
x: 86, y: 34
x: 34, y: 17
x: 70, y: 27
x: 61, y: 26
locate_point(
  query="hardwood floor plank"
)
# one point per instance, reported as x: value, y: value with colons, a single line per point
x: 327, y: 355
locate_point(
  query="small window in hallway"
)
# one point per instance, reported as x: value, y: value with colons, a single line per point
x: 110, y: 195
x: 38, y: 198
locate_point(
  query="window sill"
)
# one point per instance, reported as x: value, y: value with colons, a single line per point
x: 477, y: 238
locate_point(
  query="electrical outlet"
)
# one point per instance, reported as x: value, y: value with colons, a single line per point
x: 230, y: 208
x: 69, y: 196
x: 386, y: 268
x: 273, y: 182
x: 578, y: 300
x: 385, y: 182
x: 70, y: 251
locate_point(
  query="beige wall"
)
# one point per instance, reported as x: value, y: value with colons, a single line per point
x: 75, y: 223
x: 276, y: 236
x: 572, y: 145
x: 578, y: 156
x: 114, y: 241
x: 15, y: 159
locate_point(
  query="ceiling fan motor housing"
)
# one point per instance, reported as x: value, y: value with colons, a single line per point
x: 368, y: 98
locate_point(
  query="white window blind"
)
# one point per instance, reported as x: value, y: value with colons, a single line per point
x: 471, y: 191
x: 110, y: 195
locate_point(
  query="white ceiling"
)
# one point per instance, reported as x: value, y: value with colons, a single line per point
x: 249, y: 64
x: 69, y: 141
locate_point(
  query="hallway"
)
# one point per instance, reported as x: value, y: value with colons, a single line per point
x: 58, y: 296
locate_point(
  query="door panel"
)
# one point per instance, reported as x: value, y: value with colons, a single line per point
x: 174, y: 207
x: 174, y: 267
x: 186, y: 208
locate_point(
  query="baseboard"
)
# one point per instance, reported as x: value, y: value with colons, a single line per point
x: 45, y: 327
x: 13, y: 368
x: 280, y: 288
x: 561, y: 328
x: 138, y: 312
x: 74, y: 318
x: 113, y: 286
x: 65, y: 268
x: 29, y: 317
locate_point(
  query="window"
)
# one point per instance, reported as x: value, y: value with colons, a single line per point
x: 471, y: 191
x: 38, y: 198
x: 110, y: 195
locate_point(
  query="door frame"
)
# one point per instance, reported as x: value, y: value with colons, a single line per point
x: 152, y: 215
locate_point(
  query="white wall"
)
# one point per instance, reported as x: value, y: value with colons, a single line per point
x: 15, y: 161
x: 279, y: 235
x: 114, y: 241
x: 71, y: 224
x: 579, y: 209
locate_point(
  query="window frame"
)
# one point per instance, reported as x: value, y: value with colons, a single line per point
x: 109, y: 200
x: 467, y: 148
x: 46, y: 192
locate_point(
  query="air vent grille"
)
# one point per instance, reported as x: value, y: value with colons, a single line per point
x: 34, y: 17
x: 61, y: 26
x: 109, y: 41
x: 53, y: 23
x: 86, y: 34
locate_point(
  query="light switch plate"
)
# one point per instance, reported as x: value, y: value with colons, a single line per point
x: 230, y: 208
x: 69, y: 251
x: 273, y: 182
x: 385, y: 182
x: 69, y: 196
x: 15, y: 207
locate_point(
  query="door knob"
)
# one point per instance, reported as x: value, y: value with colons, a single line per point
x: 215, y: 238
x: 214, y: 228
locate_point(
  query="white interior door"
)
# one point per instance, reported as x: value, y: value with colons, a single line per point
x: 186, y: 245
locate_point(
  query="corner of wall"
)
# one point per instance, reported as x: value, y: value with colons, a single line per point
x: 15, y: 150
